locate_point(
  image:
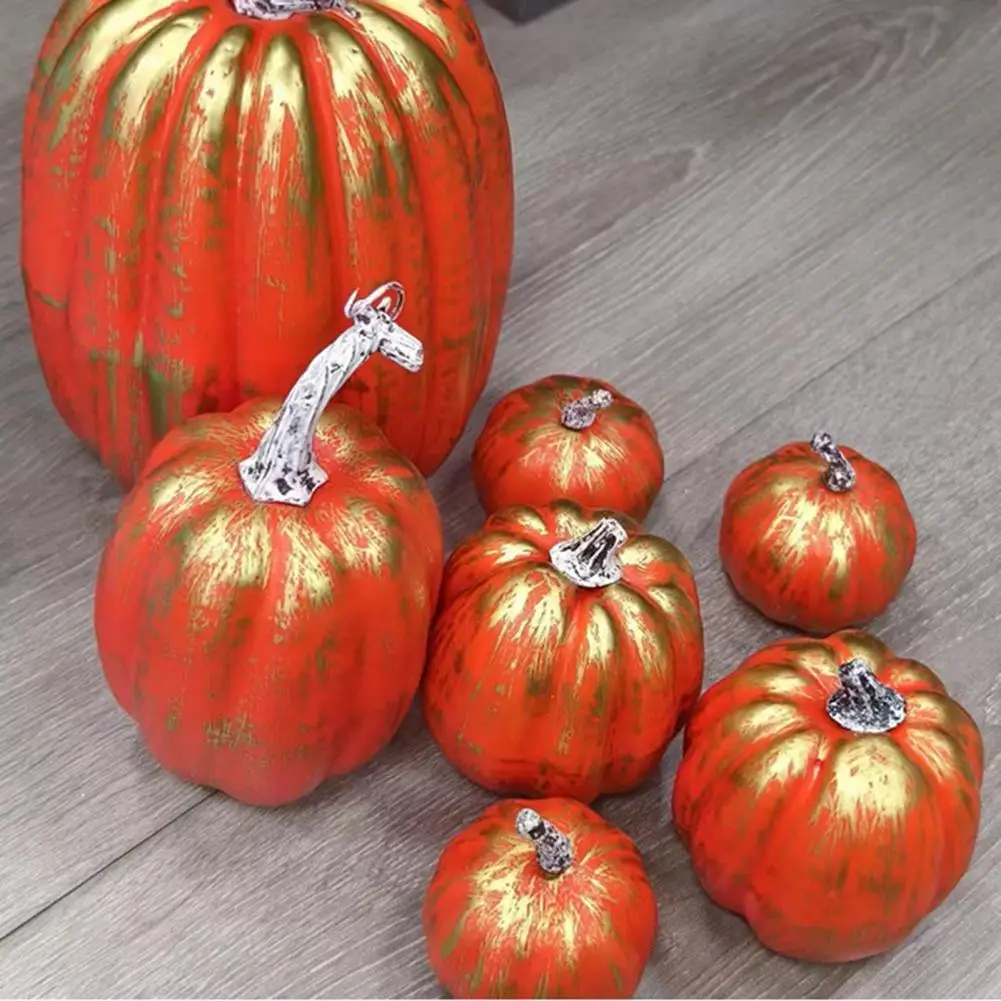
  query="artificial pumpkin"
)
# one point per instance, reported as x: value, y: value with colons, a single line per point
x: 542, y: 899
x: 204, y: 182
x: 263, y: 606
x: 829, y: 792
x: 566, y: 652
x: 816, y: 536
x: 569, y: 437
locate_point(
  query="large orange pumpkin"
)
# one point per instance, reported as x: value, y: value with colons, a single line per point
x: 829, y: 792
x: 263, y: 606
x: 566, y: 652
x: 206, y: 180
x: 567, y: 437
x: 817, y: 537
x: 542, y: 899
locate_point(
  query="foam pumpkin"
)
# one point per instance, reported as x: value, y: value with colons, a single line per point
x: 829, y: 792
x: 263, y: 606
x: 566, y: 652
x: 569, y: 437
x: 541, y: 899
x: 205, y: 181
x: 816, y: 536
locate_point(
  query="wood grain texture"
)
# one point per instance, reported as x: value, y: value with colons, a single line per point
x: 758, y: 219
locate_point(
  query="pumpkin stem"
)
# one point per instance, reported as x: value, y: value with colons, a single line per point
x: 591, y: 560
x: 580, y: 413
x: 280, y: 10
x: 863, y: 704
x: 552, y: 848
x: 283, y: 468
x: 840, y: 475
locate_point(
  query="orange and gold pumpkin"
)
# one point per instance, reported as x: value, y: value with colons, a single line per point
x: 205, y: 181
x: 540, y: 899
x: 829, y: 792
x: 263, y: 606
x: 817, y: 537
x: 565, y: 437
x: 566, y: 652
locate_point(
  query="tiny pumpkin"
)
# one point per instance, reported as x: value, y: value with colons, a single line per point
x: 853, y: 782
x: 569, y: 437
x: 540, y: 899
x: 566, y: 652
x: 264, y: 620
x: 816, y: 536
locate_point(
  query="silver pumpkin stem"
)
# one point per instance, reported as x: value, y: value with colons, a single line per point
x: 863, y: 704
x: 580, y: 413
x: 281, y: 10
x: 840, y: 475
x: 283, y: 469
x: 552, y: 848
x: 592, y: 560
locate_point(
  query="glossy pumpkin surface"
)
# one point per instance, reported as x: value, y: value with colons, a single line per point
x: 832, y: 844
x: 202, y: 191
x: 537, y: 686
x: 526, y: 454
x: 810, y: 557
x: 497, y: 925
x: 262, y: 648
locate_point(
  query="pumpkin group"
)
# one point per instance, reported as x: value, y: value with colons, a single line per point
x: 829, y: 792
x: 540, y: 899
x: 817, y: 537
x: 566, y: 437
x: 262, y: 609
x: 205, y: 181
x: 566, y: 652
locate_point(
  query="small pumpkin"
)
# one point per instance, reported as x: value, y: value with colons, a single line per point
x: 816, y: 536
x: 569, y: 437
x: 541, y: 899
x: 263, y: 606
x: 566, y: 652
x: 829, y: 792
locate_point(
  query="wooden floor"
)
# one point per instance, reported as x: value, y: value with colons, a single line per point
x: 758, y: 217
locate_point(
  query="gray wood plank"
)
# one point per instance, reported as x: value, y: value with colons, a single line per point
x: 323, y: 899
x: 717, y: 203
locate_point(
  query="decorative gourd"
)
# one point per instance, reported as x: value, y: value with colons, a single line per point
x: 566, y: 652
x: 541, y: 899
x: 817, y: 537
x: 569, y: 437
x: 829, y: 792
x: 206, y: 180
x: 263, y: 606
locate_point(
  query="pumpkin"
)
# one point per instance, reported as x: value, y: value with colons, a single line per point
x: 263, y: 606
x: 569, y: 437
x: 541, y: 899
x: 817, y: 537
x: 204, y: 182
x: 566, y: 652
x: 829, y: 792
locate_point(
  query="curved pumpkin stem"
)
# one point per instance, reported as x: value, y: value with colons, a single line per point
x: 580, y: 414
x: 283, y: 468
x: 863, y: 704
x: 591, y: 560
x: 280, y: 10
x: 553, y: 850
x: 840, y: 476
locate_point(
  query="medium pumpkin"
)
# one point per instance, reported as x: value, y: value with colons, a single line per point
x: 206, y: 180
x: 817, y: 537
x: 569, y: 437
x: 829, y: 792
x: 263, y: 606
x: 541, y: 899
x: 566, y: 651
